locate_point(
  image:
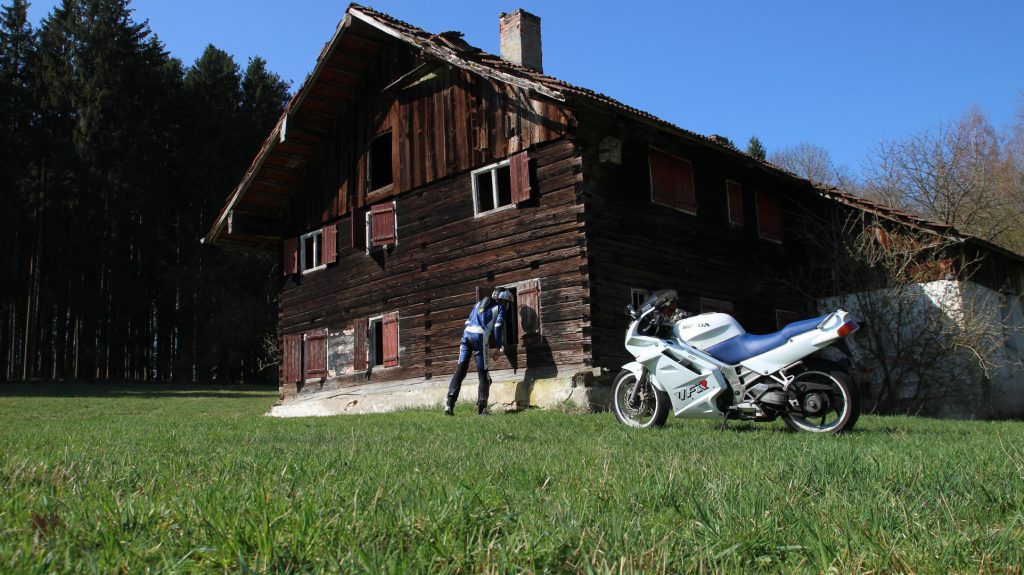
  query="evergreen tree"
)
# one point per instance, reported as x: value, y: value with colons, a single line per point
x: 756, y: 149
x: 17, y: 57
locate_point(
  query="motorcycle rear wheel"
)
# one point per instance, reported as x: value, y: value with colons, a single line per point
x: 650, y: 409
x: 824, y: 383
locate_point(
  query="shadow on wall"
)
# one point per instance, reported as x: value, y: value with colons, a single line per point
x: 540, y: 363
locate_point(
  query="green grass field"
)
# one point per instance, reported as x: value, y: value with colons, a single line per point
x: 102, y: 480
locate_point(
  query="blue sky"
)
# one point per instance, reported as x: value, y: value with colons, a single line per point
x: 842, y: 75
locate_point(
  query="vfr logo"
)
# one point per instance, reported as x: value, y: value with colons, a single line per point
x: 695, y: 389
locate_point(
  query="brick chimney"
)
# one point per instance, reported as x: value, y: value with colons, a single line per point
x: 520, y: 39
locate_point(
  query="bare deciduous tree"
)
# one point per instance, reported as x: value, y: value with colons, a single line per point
x: 964, y: 175
x: 813, y: 163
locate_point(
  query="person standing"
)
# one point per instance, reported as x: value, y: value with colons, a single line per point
x: 484, y: 323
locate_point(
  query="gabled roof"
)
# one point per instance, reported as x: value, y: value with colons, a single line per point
x: 281, y: 161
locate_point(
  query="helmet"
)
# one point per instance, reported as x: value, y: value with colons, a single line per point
x: 502, y: 295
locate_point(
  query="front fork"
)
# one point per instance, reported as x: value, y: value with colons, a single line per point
x: 634, y: 396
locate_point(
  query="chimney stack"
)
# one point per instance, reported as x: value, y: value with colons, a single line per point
x: 520, y: 39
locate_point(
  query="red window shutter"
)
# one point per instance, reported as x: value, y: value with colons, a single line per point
x: 672, y: 181
x: 769, y: 221
x: 290, y: 257
x: 292, y: 358
x: 528, y: 308
x: 519, y: 171
x: 382, y: 224
x: 316, y: 354
x: 735, y: 197
x: 329, y: 237
x: 389, y: 323
x: 359, y: 346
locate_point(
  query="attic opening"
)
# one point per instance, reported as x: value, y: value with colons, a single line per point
x: 381, y: 174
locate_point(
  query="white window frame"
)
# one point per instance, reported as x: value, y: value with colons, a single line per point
x: 373, y: 325
x: 634, y: 292
x: 317, y: 255
x: 493, y: 169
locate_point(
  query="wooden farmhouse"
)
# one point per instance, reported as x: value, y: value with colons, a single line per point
x: 412, y: 173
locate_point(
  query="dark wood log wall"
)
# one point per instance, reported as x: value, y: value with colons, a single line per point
x: 450, y: 122
x: 442, y: 128
x: 443, y: 255
x: 633, y: 243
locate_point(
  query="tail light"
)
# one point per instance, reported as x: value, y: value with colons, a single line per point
x: 847, y: 328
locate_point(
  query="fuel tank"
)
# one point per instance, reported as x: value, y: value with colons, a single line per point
x: 707, y: 329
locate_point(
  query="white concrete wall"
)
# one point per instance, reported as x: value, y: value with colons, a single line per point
x: 946, y: 304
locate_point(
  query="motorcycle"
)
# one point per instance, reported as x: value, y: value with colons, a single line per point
x: 706, y: 366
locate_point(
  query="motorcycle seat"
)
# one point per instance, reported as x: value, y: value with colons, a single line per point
x: 738, y: 349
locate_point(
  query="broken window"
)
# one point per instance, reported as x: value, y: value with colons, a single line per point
x: 380, y: 160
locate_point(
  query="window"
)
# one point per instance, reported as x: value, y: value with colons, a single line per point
x: 311, y: 253
x: 381, y: 173
x: 769, y: 220
x: 502, y: 185
x: 637, y: 297
x: 305, y: 356
x: 708, y: 305
x: 672, y: 181
x: 492, y: 188
x: 376, y: 343
x: 381, y: 226
x: 734, y: 197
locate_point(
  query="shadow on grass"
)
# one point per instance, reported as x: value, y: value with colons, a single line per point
x: 79, y: 389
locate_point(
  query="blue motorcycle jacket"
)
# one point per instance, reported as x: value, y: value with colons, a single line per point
x: 486, y: 319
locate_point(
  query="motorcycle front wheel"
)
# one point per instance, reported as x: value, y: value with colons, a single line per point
x: 827, y: 399
x: 648, y: 409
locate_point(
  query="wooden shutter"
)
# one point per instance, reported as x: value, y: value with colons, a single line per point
x: 316, y: 354
x: 382, y: 224
x: 292, y: 358
x: 528, y: 308
x: 290, y: 257
x: 769, y: 221
x: 329, y: 237
x: 389, y: 323
x: 734, y: 191
x: 359, y: 346
x: 519, y: 171
x: 672, y: 181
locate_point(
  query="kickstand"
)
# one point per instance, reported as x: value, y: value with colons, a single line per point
x: 725, y: 420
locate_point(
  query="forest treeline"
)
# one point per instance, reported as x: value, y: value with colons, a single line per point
x: 114, y: 160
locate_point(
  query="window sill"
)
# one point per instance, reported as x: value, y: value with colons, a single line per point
x: 316, y: 269
x: 380, y: 193
x: 688, y: 211
x: 494, y: 211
